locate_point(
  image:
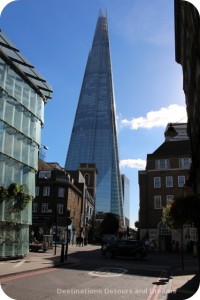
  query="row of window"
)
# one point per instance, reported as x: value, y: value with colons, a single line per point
x: 169, y: 181
x: 165, y: 163
x: 45, y: 208
x: 47, y: 175
x: 46, y: 191
x: 158, y: 200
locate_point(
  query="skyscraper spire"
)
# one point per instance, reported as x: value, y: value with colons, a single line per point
x: 93, y: 138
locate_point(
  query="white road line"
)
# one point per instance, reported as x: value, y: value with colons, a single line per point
x: 18, y: 264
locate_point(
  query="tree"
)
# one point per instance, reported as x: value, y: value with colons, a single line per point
x: 182, y: 210
x: 137, y: 224
x: 110, y: 224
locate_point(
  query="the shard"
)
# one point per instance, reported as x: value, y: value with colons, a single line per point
x: 94, y: 137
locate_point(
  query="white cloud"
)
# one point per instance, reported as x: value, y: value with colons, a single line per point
x: 133, y: 163
x: 172, y: 114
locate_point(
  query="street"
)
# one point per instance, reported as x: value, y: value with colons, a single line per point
x: 92, y: 276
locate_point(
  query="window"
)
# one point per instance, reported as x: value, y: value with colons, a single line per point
x: 44, y: 208
x: 61, y: 192
x: 162, y: 164
x: 181, y: 181
x: 60, y: 208
x: 157, y: 182
x: 157, y: 202
x: 169, y: 198
x: 45, y: 174
x: 46, y: 191
x: 185, y: 163
x: 169, y: 181
x: 87, y: 179
x: 164, y: 230
x: 35, y: 207
x: 37, y: 190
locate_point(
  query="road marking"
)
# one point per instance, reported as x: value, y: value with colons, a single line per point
x: 23, y: 275
x: 108, y: 272
x: 159, y: 290
x: 18, y: 264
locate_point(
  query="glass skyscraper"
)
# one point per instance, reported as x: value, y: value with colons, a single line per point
x: 93, y: 138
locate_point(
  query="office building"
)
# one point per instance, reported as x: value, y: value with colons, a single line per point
x: 94, y: 136
x: 126, y: 199
x: 23, y: 94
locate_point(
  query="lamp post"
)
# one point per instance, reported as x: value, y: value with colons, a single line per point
x: 56, y: 230
x: 69, y: 222
x: 182, y: 250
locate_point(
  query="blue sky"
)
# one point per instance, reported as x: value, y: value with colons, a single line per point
x: 56, y: 36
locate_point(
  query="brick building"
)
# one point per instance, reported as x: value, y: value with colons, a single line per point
x: 61, y: 194
x: 167, y: 169
x: 187, y: 54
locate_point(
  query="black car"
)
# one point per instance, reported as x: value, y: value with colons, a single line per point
x: 123, y: 247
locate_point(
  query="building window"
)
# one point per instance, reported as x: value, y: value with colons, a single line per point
x: 35, y: 207
x: 162, y: 164
x: 164, y: 230
x: 169, y: 181
x: 157, y: 182
x: 44, y: 208
x: 169, y: 198
x: 37, y: 190
x: 157, y: 202
x: 87, y: 179
x: 185, y: 163
x: 60, y: 208
x: 61, y: 192
x: 45, y: 174
x: 181, y: 181
x: 46, y: 191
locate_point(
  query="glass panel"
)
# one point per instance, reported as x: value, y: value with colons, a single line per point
x: 9, y: 111
x: 18, y: 88
x: 26, y: 96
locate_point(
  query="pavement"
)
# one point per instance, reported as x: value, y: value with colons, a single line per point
x: 183, y: 283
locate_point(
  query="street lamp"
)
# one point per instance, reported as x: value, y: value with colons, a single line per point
x: 171, y: 132
x: 56, y: 230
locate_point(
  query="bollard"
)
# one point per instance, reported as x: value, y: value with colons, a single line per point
x: 66, y: 250
x: 62, y: 254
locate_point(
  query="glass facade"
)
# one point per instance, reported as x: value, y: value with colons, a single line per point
x: 93, y: 138
x: 21, y: 117
x: 126, y: 199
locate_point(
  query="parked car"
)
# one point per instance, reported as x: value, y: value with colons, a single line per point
x: 106, y: 238
x: 124, y: 247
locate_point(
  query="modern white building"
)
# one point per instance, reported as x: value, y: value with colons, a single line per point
x: 23, y: 94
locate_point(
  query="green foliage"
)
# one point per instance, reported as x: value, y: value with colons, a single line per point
x: 3, y: 193
x: 182, y: 210
x: 166, y: 217
x: 15, y: 192
x: 137, y: 224
x: 15, y: 189
x: 110, y: 224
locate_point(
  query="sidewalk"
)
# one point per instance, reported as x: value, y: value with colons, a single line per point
x: 36, y: 260
x: 184, y: 287
x: 183, y: 284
